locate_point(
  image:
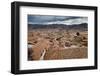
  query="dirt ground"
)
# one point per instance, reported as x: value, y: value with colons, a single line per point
x: 70, y: 53
x: 58, y: 44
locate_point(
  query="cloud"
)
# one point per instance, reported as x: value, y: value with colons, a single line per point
x: 47, y: 19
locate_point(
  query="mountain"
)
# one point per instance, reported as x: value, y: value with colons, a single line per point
x: 82, y: 26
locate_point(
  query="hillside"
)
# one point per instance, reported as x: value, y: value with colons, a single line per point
x: 82, y: 27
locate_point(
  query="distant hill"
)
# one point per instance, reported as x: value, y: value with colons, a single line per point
x: 82, y: 27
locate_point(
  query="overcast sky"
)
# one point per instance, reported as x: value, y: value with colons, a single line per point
x: 47, y: 19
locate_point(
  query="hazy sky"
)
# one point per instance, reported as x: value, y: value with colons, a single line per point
x: 47, y: 19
